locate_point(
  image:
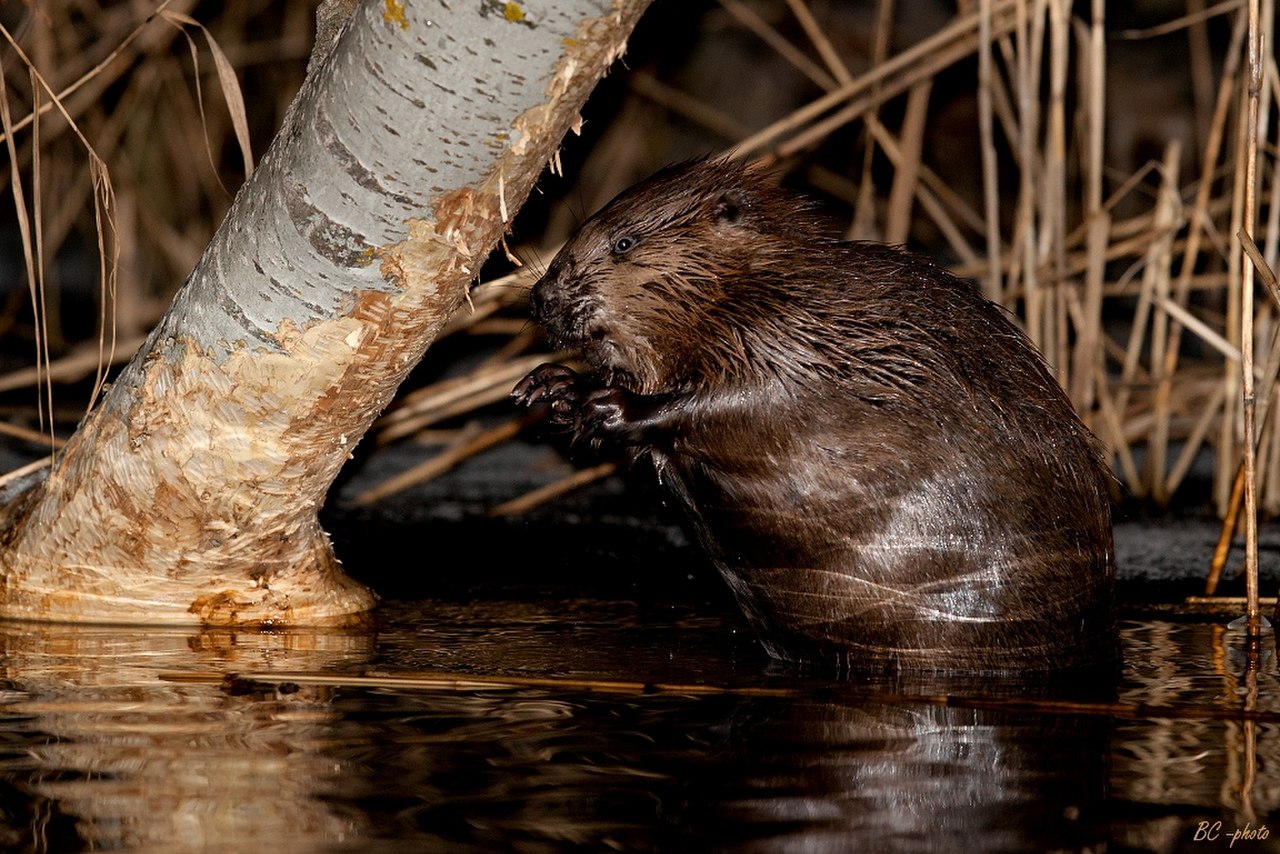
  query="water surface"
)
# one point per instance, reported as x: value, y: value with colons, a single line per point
x: 598, y: 724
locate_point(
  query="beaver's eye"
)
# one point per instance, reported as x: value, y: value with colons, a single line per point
x: 623, y: 245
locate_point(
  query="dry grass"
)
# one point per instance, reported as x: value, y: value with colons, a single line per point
x: 125, y: 138
x: 1131, y: 276
x: 1130, y: 283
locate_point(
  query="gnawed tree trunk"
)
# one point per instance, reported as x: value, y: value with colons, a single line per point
x: 190, y: 494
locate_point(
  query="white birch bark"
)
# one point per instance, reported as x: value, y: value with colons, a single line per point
x: 190, y: 494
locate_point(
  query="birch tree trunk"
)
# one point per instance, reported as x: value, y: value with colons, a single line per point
x: 189, y: 495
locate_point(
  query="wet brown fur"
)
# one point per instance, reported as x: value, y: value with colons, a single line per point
x: 874, y: 456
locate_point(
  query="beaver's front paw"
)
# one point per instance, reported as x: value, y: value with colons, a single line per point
x: 602, y: 415
x: 557, y: 386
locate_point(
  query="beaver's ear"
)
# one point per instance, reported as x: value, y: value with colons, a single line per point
x: 730, y: 206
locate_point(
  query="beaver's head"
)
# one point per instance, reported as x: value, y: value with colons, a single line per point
x: 648, y: 289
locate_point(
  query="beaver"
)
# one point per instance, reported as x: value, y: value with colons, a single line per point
x: 873, y: 455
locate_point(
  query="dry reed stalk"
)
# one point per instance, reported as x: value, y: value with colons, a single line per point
x: 681, y: 104
x: 108, y: 72
x: 1268, y: 488
x: 1262, y: 457
x: 1196, y: 17
x: 40, y: 296
x: 475, y: 682
x: 899, y: 72
x: 488, y: 383
x: 1269, y: 435
x: 512, y: 327
x: 1120, y: 227
x: 830, y: 56
x: 1237, y: 422
x: 1207, y: 334
x: 472, y: 682
x: 1210, y: 282
x: 434, y: 403
x: 488, y: 299
x: 1265, y: 328
x: 953, y: 210
x: 227, y: 79
x: 29, y: 468
x: 550, y: 492
x: 1199, y: 216
x: 1193, y: 441
x: 25, y: 228
x: 1232, y: 427
x: 750, y: 19
x: 905, y: 178
x: 1070, y: 325
x: 1002, y: 101
x: 1088, y: 354
x: 886, y: 85
x: 71, y: 368
x: 33, y: 436
x: 1112, y: 350
x: 1252, y: 130
x: 461, y: 406
x: 1027, y: 93
x: 90, y: 83
x: 1273, y: 199
x: 992, y: 286
x: 1222, y: 549
x: 1119, y: 444
x: 1094, y: 73
x: 1097, y: 220
x: 1078, y: 262
x: 930, y: 201
x: 1201, y: 64
x: 521, y: 336
x: 862, y: 225
x: 468, y: 445
x: 1168, y: 214
x: 1074, y: 310
x: 1053, y: 199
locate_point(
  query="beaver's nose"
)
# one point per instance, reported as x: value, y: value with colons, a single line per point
x: 542, y: 297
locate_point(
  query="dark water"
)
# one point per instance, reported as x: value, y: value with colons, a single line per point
x: 612, y: 726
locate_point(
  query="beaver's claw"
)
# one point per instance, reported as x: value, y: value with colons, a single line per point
x: 558, y: 387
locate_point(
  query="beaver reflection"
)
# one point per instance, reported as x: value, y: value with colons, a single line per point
x: 874, y: 457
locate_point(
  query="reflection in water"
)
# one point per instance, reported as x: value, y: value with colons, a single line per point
x: 878, y: 776
x: 1179, y: 774
x: 133, y: 740
x: 528, y: 771
x: 109, y: 754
